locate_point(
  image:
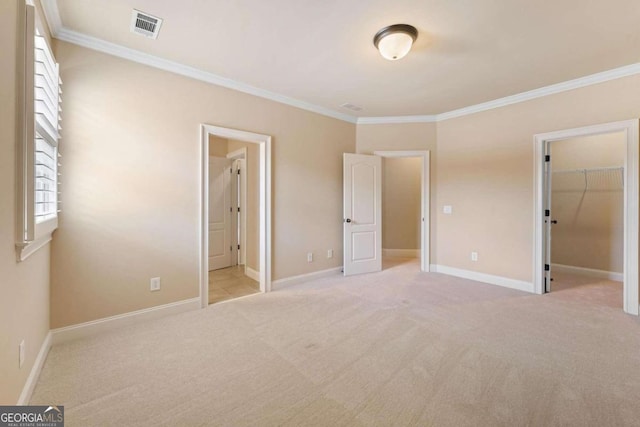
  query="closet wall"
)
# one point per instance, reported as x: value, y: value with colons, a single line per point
x: 587, y: 201
x: 401, y: 197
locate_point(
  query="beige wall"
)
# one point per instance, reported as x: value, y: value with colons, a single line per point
x: 252, y: 175
x: 132, y: 160
x: 218, y: 147
x: 24, y: 287
x: 485, y: 171
x: 590, y: 228
x: 401, y: 203
x: 404, y: 137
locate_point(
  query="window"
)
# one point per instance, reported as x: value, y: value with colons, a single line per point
x: 38, y: 157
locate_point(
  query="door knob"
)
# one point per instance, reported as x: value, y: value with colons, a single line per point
x: 554, y: 221
x: 347, y: 220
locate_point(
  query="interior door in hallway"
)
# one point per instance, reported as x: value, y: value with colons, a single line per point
x: 219, y: 213
x: 362, y: 206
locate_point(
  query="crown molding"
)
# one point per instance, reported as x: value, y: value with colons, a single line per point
x: 605, y: 76
x: 396, y: 119
x: 58, y: 31
x: 52, y: 15
x: 103, y: 46
x: 593, y: 79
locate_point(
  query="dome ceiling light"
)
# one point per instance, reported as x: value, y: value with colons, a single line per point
x: 395, y: 41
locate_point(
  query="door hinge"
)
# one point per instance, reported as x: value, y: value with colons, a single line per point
x: 238, y: 171
x: 238, y: 247
x: 547, y: 158
x: 231, y: 209
x: 547, y: 267
x: 230, y: 248
x: 238, y: 208
x: 231, y: 171
x: 547, y: 212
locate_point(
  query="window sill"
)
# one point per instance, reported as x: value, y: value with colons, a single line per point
x: 44, y: 232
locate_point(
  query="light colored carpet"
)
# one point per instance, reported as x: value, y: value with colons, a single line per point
x: 394, y: 348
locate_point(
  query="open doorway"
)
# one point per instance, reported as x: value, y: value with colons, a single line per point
x: 401, y: 211
x: 363, y: 215
x: 235, y: 215
x: 234, y: 245
x: 586, y: 210
x: 586, y: 204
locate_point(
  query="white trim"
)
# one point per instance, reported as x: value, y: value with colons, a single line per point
x: 264, y: 142
x: 32, y: 380
x: 396, y: 119
x: 302, y: 278
x: 58, y: 31
x: 425, y: 208
x: 251, y: 273
x: 505, y: 282
x: 593, y: 79
x: 401, y: 253
x: 25, y: 251
x: 52, y: 15
x: 240, y: 153
x: 591, y: 272
x: 83, y: 330
x: 605, y: 76
x: 631, y: 209
x: 119, y: 51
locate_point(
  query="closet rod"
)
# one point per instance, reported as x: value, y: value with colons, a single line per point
x: 614, y: 168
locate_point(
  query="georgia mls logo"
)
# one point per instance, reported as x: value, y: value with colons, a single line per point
x: 31, y: 416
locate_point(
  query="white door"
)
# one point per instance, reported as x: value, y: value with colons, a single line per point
x: 219, y: 213
x: 547, y: 217
x: 362, y: 205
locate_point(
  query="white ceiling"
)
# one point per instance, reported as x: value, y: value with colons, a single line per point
x: 321, y: 51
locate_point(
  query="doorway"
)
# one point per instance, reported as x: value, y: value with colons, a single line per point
x: 588, y: 183
x: 240, y: 239
x: 362, y: 210
x: 401, y: 211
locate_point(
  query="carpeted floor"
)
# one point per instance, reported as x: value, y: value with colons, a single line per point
x: 398, y: 347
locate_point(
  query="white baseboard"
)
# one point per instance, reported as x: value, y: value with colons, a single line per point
x: 401, y: 253
x: 294, y: 280
x: 32, y: 379
x: 82, y: 330
x: 252, y: 274
x: 582, y: 271
x: 485, y: 278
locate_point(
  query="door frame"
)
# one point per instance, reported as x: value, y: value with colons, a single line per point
x: 241, y: 154
x: 631, y: 292
x: 264, y: 142
x: 425, y: 204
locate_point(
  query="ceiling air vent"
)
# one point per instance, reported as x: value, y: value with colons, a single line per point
x: 145, y: 24
x: 351, y: 107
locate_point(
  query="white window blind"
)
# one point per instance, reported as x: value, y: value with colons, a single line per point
x: 47, y: 94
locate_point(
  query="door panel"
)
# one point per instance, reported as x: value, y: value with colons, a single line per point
x: 547, y: 219
x: 219, y: 213
x: 362, y: 206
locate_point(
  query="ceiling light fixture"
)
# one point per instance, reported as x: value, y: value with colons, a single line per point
x: 395, y: 41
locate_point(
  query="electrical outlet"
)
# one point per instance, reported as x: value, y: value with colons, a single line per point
x: 21, y: 354
x: 474, y: 256
x: 155, y: 284
x: 447, y: 209
x: 310, y: 257
x: 330, y: 253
